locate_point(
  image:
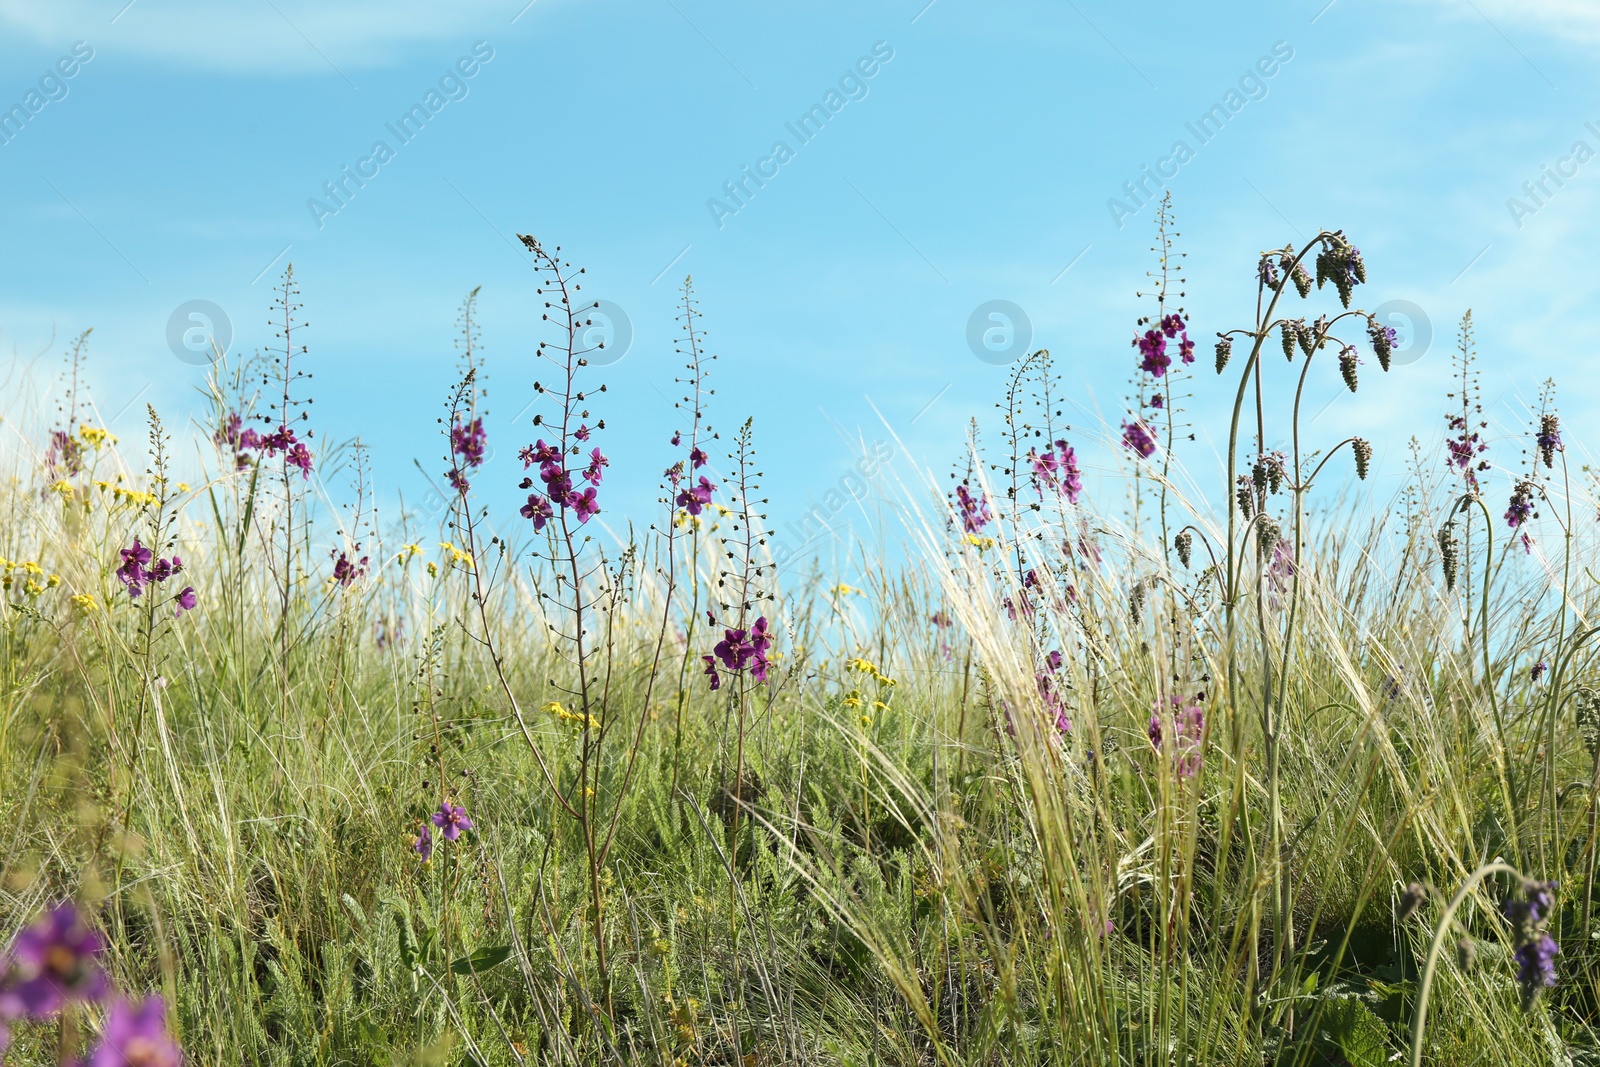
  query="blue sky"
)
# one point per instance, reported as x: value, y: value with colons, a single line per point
x: 976, y: 162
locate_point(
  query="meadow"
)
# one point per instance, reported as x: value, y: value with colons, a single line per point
x: 1269, y: 771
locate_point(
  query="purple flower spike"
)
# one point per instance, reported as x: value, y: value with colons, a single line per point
x: 422, y: 844
x: 137, y: 1037
x: 54, y: 962
x: 451, y: 819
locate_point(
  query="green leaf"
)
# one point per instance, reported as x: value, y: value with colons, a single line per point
x: 482, y: 960
x: 1349, y: 1026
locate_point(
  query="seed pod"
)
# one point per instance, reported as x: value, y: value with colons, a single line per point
x: 1246, y: 495
x: 1136, y: 602
x: 1382, y: 339
x: 1184, y: 543
x: 1466, y: 954
x: 1312, y: 338
x: 1302, y: 280
x: 1291, y: 333
x: 1277, y: 471
x: 1587, y: 702
x: 1268, y: 534
x: 1447, y: 554
x: 1258, y: 473
x: 1363, y: 450
x: 1224, y: 350
x: 1347, y: 367
x: 1411, y: 901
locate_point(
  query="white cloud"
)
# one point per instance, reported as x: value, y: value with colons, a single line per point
x: 282, y: 37
x: 1577, y: 21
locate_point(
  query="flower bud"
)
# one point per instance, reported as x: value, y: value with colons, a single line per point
x: 1363, y: 450
x: 1291, y: 333
x: 1184, y: 543
x: 1347, y: 366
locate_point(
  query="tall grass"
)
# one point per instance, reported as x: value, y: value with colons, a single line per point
x: 1136, y: 781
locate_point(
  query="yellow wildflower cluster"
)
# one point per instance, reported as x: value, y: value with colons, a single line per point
x: 847, y: 590
x: 555, y: 707
x: 407, y: 553
x: 854, y: 699
x: 26, y: 575
x: 85, y: 603
x: 129, y: 497
x: 862, y: 666
x: 980, y: 543
x: 94, y: 436
x: 457, y: 555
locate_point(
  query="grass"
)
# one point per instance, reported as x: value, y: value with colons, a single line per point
x: 919, y: 841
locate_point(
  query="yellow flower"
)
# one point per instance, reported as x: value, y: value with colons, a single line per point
x: 84, y: 602
x: 63, y: 489
x: 880, y: 705
x: 861, y: 665
x: 457, y: 555
x: 846, y: 590
x: 52, y: 581
x: 433, y: 569
x: 183, y: 487
x: 866, y: 721
x: 853, y: 699
x: 980, y: 542
x: 32, y: 588
x: 31, y: 567
x: 95, y: 437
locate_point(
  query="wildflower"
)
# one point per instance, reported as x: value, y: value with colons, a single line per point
x: 63, y: 489
x: 85, y: 602
x: 1528, y: 911
x: 451, y: 819
x: 1184, y: 543
x: 538, y: 452
x: 1347, y: 366
x: 1267, y: 272
x: 132, y: 573
x: 467, y: 442
x: 137, y: 1037
x: 1245, y: 494
x: 1057, y: 469
x: 974, y: 510
x: 584, y: 504
x: 597, y: 465
x: 1520, y: 509
x: 846, y: 590
x: 54, y: 962
x: 711, y: 673
x: 677, y: 439
x: 1383, y: 340
x: 422, y: 843
x: 1538, y: 671
x: 1290, y: 337
x: 696, y: 498
x: 1157, y: 401
x: 582, y: 432
x: 1137, y: 436
x: 1188, y: 726
x: 1224, y: 351
x: 1549, y: 439
x: 185, y: 600
x: 538, y: 509
x: 1153, y: 352
x: 697, y: 458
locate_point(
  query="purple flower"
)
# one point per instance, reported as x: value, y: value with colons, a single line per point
x: 451, y: 819
x: 1549, y: 439
x: 186, y: 601
x: 422, y: 844
x: 597, y: 465
x: 582, y: 432
x: 538, y: 509
x: 697, y: 458
x: 538, y: 452
x: 584, y: 504
x: 697, y: 498
x: 52, y: 963
x: 1536, y: 965
x: 1057, y: 468
x: 1538, y: 671
x: 1153, y: 353
x: 346, y: 572
x: 1521, y: 506
x: 467, y: 441
x: 1172, y: 325
x: 1188, y: 727
x: 974, y: 510
x: 165, y: 568
x: 137, y: 1037
x: 1137, y: 436
x: 711, y: 672
x: 1158, y: 401
x: 132, y: 573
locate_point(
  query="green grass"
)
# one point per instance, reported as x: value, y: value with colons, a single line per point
x: 922, y: 872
